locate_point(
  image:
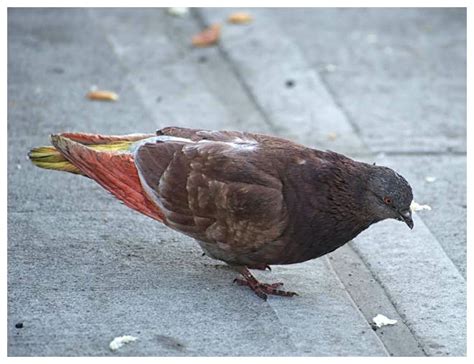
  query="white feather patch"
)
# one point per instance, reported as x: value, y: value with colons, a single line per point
x: 156, y: 139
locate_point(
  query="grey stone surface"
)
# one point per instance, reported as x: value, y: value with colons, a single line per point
x: 97, y: 276
x: 84, y: 269
x: 400, y: 74
x: 149, y: 281
x: 372, y: 300
x: 267, y: 60
x: 167, y: 70
x: 446, y: 195
x: 421, y: 281
x: 52, y: 65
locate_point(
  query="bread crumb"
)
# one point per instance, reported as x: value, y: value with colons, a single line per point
x: 239, y: 18
x: 417, y: 207
x: 330, y: 67
x: 178, y: 11
x: 372, y: 38
x: 119, y: 341
x: 332, y: 136
x: 381, y: 320
x: 102, y: 95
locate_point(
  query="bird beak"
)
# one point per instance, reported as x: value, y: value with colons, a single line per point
x: 406, y: 216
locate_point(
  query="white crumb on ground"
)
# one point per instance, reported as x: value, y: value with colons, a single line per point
x: 178, y: 11
x: 372, y: 38
x: 119, y: 341
x: 417, y: 207
x: 332, y: 136
x: 381, y: 320
x: 430, y: 179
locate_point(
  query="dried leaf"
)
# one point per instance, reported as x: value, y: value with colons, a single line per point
x: 207, y: 37
x: 102, y: 95
x: 239, y: 18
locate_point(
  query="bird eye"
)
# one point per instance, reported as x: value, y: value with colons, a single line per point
x: 387, y: 200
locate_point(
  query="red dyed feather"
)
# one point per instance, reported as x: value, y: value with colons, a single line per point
x: 116, y: 172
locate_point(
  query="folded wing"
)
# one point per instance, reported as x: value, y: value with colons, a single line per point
x: 219, y: 192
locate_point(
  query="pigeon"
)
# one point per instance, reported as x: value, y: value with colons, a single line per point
x: 250, y: 200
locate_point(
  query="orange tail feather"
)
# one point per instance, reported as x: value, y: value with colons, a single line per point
x: 86, y: 138
x: 116, y: 172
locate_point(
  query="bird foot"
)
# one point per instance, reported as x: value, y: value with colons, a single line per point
x: 262, y: 290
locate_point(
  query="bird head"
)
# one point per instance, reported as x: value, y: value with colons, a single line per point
x: 389, y: 195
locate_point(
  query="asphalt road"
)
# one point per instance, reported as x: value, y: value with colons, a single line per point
x: 383, y: 85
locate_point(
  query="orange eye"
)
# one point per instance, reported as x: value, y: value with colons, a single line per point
x: 387, y: 200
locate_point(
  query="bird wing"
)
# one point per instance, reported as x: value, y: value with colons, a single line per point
x: 218, y: 192
x: 230, y: 136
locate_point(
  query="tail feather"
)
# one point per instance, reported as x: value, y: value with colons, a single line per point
x: 51, y: 158
x: 96, y: 139
x: 106, y: 160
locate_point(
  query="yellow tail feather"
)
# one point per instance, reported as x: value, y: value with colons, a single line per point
x: 50, y: 158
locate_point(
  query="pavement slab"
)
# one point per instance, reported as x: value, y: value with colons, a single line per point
x: 421, y: 281
x: 81, y: 277
x: 169, y: 81
x: 446, y: 195
x: 371, y: 298
x: 288, y: 89
x: 399, y: 74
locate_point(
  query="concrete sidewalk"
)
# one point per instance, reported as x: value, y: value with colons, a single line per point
x: 383, y: 85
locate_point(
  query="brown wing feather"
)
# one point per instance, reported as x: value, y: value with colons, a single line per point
x: 215, y: 192
x: 229, y: 136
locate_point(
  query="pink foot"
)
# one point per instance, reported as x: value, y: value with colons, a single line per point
x: 262, y: 290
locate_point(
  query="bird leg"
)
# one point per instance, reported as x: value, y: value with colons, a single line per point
x: 260, y: 289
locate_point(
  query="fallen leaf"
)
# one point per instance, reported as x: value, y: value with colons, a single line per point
x: 118, y: 342
x: 207, y: 37
x: 381, y: 320
x: 239, y: 18
x: 417, y: 207
x: 102, y: 95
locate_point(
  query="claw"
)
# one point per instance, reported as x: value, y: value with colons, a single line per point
x: 262, y: 290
